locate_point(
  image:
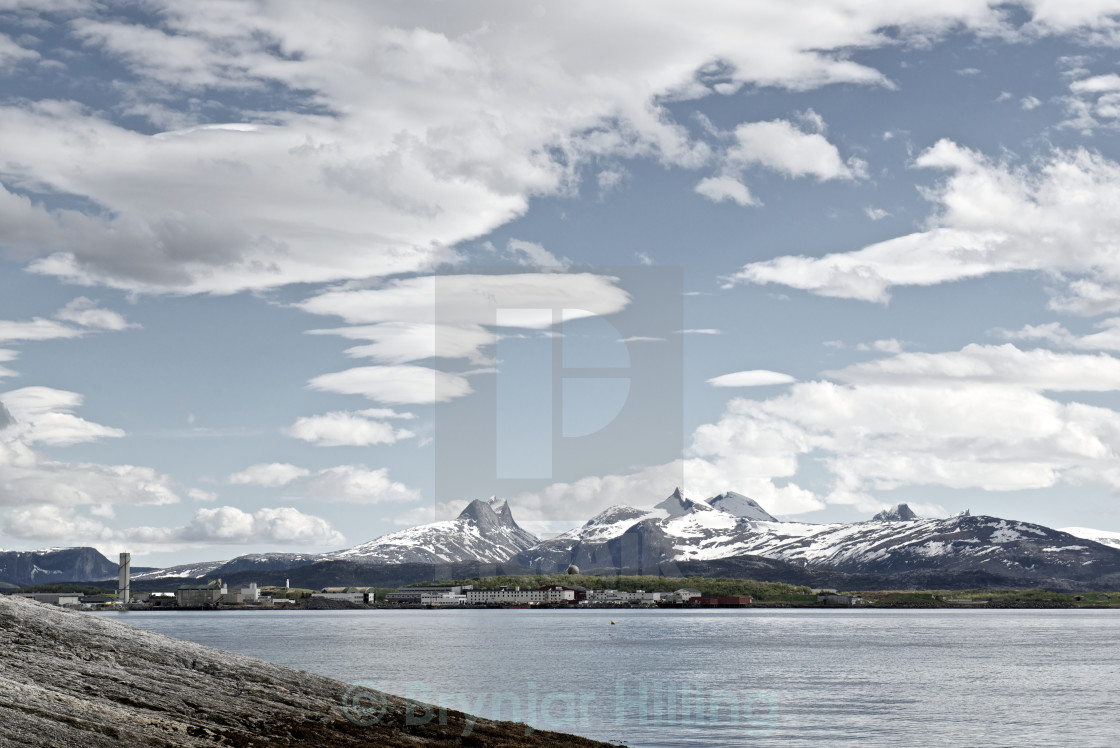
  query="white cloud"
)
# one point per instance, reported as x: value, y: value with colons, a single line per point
x: 81, y: 311
x: 401, y: 342
x: 271, y: 474
x: 397, y: 385
x: 437, y: 512
x: 780, y: 146
x: 610, y: 179
x: 388, y: 182
x: 357, y: 484
x: 284, y: 525
x: 1038, y: 369
x: 1058, y: 219
x: 534, y: 255
x: 1097, y: 84
x: 197, y: 494
x: 343, y: 483
x: 1028, y: 103
x: 701, y: 331
x: 875, y: 214
x: 225, y: 525
x: 1108, y: 339
x: 41, y: 415
x: 85, y: 312
x: 572, y: 503
x: 470, y: 298
x: 752, y: 378
x: 718, y: 189
x: 352, y: 174
x: 44, y: 416
x: 973, y: 419
x: 12, y: 54
x: 889, y: 345
x: 954, y: 434
x: 353, y: 428
x: 36, y: 329
x: 451, y: 316
x: 27, y: 478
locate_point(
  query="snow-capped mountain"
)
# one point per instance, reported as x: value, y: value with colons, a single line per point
x: 728, y: 529
x: 484, y: 531
x: 679, y: 530
x: 741, y: 506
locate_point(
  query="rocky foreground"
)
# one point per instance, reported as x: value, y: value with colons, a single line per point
x: 73, y: 679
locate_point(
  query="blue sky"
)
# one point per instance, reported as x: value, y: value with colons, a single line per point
x: 287, y: 276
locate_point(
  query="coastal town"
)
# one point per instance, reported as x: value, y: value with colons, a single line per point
x: 214, y: 595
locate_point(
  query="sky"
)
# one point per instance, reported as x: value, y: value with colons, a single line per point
x: 286, y: 276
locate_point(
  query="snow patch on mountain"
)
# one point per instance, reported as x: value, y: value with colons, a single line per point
x: 196, y: 570
x: 1104, y: 537
x: 483, y: 531
x: 740, y: 506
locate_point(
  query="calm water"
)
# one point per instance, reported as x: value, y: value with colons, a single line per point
x: 774, y: 677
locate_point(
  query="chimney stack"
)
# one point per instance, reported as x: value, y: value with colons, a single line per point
x: 123, y: 593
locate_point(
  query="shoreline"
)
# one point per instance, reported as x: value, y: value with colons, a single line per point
x: 73, y: 679
x: 1025, y: 605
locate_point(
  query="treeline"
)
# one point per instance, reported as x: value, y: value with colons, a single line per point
x: 63, y: 587
x: 709, y: 587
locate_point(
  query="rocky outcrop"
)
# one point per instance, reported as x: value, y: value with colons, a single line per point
x: 897, y: 513
x: 73, y: 679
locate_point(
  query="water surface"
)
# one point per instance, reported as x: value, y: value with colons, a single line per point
x: 659, y: 678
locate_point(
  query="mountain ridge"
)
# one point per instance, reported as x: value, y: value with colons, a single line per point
x: 724, y: 531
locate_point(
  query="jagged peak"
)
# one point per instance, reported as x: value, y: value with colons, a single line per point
x: 479, y: 510
x: 897, y: 513
x: 490, y: 513
x: 677, y: 504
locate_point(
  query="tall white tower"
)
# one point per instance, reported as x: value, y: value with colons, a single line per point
x: 122, y: 586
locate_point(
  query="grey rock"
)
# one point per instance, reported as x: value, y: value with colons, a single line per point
x: 74, y: 679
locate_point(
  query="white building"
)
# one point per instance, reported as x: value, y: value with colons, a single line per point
x: 518, y: 596
x: 442, y: 599
x: 415, y: 595
x: 349, y: 594
x: 614, y: 596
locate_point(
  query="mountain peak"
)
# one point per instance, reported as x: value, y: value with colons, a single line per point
x: 741, y: 506
x: 676, y: 504
x: 481, y: 511
x: 897, y: 513
x: 489, y: 513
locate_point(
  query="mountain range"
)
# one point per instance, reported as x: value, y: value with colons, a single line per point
x: 726, y: 535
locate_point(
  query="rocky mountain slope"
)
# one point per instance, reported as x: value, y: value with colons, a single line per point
x: 897, y: 541
x: 249, y: 562
x: 74, y: 679
x: 23, y: 568
x: 895, y: 546
x: 484, y: 531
